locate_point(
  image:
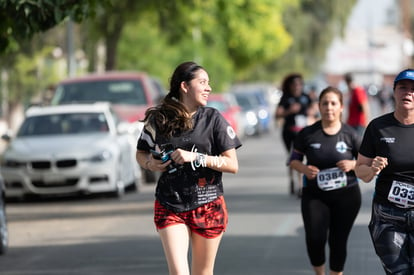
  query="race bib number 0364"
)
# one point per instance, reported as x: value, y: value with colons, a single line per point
x: 331, y: 179
x: 402, y: 194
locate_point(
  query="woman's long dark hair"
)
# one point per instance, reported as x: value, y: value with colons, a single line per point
x: 287, y: 83
x: 171, y: 116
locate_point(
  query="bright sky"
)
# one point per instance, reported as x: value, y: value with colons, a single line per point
x: 370, y: 13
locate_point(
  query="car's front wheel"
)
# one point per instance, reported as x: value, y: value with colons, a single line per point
x: 4, y: 234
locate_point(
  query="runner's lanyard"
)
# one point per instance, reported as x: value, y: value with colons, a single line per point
x: 401, y: 194
x: 331, y: 179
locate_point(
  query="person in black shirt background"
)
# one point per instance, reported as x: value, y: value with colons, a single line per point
x: 295, y: 111
x: 192, y: 145
x: 331, y: 197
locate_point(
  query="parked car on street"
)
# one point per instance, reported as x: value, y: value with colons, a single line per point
x: 70, y: 149
x: 4, y: 233
x: 130, y: 94
x: 250, y: 116
x: 229, y: 109
x: 263, y: 98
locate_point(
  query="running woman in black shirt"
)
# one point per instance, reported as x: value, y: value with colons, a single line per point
x: 386, y: 154
x: 192, y: 145
x: 331, y: 197
x: 295, y: 110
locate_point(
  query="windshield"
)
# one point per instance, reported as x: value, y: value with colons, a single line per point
x: 245, y: 101
x: 219, y: 105
x: 61, y: 124
x: 128, y: 92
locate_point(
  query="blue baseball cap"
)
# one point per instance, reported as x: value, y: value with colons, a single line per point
x: 406, y: 74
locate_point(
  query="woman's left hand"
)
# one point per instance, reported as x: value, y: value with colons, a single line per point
x: 346, y: 165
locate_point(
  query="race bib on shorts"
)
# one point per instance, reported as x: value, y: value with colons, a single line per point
x: 331, y: 179
x: 401, y: 194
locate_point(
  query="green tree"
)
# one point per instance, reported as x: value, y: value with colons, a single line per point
x: 153, y: 53
x: 227, y: 37
x: 249, y: 31
x: 233, y: 39
x: 313, y: 24
x: 107, y: 27
x: 21, y: 19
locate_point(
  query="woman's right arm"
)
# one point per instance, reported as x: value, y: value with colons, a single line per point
x: 296, y: 163
x: 280, y: 112
x: 146, y: 161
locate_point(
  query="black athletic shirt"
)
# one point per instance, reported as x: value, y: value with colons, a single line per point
x: 385, y: 136
x: 286, y: 101
x: 324, y: 151
x: 193, y: 185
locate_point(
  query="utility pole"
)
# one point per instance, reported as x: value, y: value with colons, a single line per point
x: 71, y: 64
x: 408, y: 45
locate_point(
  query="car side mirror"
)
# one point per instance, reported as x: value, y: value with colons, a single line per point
x: 7, y: 137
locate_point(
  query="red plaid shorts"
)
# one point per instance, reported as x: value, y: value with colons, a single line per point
x: 208, y: 220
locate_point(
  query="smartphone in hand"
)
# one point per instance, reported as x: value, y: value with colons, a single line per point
x: 155, y: 154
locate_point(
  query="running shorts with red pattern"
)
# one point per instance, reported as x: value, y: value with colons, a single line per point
x: 208, y: 220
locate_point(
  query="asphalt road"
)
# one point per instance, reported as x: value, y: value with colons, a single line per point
x: 98, y: 235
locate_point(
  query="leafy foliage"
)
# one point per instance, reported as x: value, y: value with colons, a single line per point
x: 37, y: 16
x: 234, y: 39
x: 312, y: 24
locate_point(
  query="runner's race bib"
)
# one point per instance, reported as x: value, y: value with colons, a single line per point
x: 331, y: 179
x: 301, y: 121
x: 402, y: 194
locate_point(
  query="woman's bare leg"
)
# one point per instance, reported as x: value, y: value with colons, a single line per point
x: 175, y: 241
x: 204, y: 253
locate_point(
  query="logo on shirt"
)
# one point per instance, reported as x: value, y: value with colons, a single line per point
x: 388, y: 139
x: 230, y: 132
x: 201, y: 160
x: 315, y: 145
x: 341, y: 147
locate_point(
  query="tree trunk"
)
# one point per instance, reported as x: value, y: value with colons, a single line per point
x: 111, y: 43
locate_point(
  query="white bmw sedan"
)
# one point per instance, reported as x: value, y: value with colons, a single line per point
x: 70, y: 149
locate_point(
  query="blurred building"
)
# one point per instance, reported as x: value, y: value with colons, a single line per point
x: 376, y: 45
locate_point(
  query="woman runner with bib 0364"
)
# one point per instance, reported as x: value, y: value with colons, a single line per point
x: 192, y: 145
x: 331, y: 197
x: 387, y: 153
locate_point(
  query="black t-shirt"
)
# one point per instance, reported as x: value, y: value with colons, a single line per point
x: 324, y: 151
x: 298, y: 120
x: 193, y: 185
x: 385, y: 136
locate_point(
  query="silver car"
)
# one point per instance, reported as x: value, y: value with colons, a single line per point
x: 70, y: 149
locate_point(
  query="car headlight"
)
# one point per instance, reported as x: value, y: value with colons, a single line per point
x: 263, y: 114
x: 101, y: 156
x: 251, y: 118
x: 11, y: 163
